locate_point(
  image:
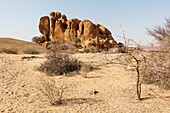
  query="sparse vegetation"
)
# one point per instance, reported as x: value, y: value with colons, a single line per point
x: 10, y: 51
x: 134, y: 60
x: 38, y: 40
x: 60, y: 64
x: 152, y: 64
x: 53, y: 93
x: 31, y: 51
x: 64, y: 48
x: 85, y: 67
x: 158, y: 61
x: 157, y: 68
x: 92, y: 49
x: 35, y: 38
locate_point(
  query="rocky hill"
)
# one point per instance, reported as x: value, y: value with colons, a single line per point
x: 57, y: 28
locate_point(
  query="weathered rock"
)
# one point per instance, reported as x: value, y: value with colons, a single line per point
x: 52, y: 14
x: 64, y: 17
x: 113, y: 42
x: 47, y: 44
x: 103, y: 30
x: 98, y: 43
x: 44, y: 25
x: 80, y: 32
x: 88, y: 43
x: 58, y: 15
x: 58, y: 32
x: 107, y: 44
x: 90, y: 29
x: 72, y: 28
x: 58, y: 29
x: 52, y: 26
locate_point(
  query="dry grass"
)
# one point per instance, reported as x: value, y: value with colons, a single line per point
x: 86, y: 67
x: 10, y: 51
x: 92, y: 49
x: 63, y: 48
x: 31, y: 51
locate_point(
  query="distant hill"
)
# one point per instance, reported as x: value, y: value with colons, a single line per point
x: 19, y: 45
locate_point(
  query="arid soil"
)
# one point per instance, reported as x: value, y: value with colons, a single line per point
x: 18, y: 45
x: 115, y: 87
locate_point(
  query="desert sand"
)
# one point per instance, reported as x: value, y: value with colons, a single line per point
x: 116, y: 87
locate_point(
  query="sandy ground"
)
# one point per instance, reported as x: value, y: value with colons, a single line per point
x: 116, y: 89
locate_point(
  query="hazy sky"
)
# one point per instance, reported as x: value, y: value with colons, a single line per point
x: 19, y: 18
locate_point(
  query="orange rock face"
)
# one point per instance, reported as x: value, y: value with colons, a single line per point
x: 58, y: 29
x: 44, y: 25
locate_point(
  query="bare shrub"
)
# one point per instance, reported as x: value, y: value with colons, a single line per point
x: 161, y: 32
x: 134, y: 58
x: 158, y: 60
x: 133, y: 61
x: 76, y: 43
x: 59, y: 64
x: 39, y: 40
x: 152, y: 64
x: 92, y: 49
x: 85, y: 68
x: 158, y: 66
x: 51, y: 91
x: 10, y: 51
x: 63, y: 48
x: 59, y: 60
x: 86, y: 50
x: 31, y: 51
x: 35, y: 39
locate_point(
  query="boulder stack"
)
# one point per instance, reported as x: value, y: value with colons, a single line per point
x: 57, y: 28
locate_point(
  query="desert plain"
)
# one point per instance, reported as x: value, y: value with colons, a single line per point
x: 110, y: 88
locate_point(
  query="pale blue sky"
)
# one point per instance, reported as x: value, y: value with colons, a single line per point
x: 19, y: 18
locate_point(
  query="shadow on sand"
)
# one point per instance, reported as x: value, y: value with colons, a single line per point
x: 79, y: 101
x: 156, y: 97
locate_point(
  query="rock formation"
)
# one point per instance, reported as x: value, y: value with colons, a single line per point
x: 57, y: 28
